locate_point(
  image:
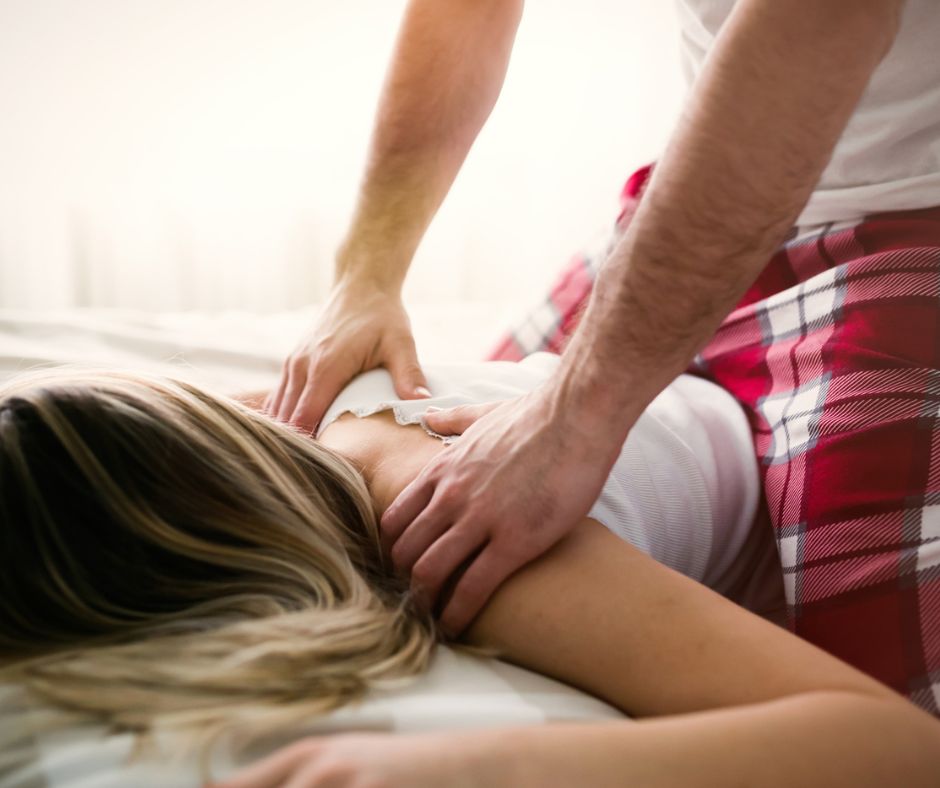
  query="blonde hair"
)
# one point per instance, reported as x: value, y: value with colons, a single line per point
x: 170, y: 556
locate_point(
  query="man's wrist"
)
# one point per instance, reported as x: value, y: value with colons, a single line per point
x: 593, y: 402
x: 357, y: 269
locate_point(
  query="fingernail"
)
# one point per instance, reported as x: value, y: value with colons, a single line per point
x: 433, y: 409
x: 421, y: 391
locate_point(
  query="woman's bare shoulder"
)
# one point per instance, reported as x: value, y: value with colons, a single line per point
x: 599, y: 614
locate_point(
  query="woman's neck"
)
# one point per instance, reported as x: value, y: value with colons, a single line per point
x: 389, y: 455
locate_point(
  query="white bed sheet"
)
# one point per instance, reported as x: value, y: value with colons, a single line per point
x: 233, y: 351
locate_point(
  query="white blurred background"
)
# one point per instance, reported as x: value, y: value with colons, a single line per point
x: 172, y: 155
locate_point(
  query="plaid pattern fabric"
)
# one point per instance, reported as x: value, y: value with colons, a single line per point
x: 834, y: 353
x: 550, y: 324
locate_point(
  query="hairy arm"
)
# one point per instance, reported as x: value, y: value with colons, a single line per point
x: 446, y: 74
x: 776, y: 93
x: 758, y: 130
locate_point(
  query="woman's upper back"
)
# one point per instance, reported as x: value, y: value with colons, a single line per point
x: 684, y: 488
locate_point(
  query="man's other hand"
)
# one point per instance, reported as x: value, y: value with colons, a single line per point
x: 362, y: 327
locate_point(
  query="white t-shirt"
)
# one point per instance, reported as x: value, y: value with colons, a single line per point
x: 889, y: 156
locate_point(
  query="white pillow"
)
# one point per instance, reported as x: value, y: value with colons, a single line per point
x: 458, y: 692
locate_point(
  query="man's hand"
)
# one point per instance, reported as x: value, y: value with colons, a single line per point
x: 520, y: 478
x: 362, y: 327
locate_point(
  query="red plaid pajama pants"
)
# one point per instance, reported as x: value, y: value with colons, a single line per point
x: 834, y: 353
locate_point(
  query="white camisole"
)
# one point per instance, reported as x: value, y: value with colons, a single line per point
x: 684, y: 489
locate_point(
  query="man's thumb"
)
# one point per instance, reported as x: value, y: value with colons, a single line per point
x: 454, y: 421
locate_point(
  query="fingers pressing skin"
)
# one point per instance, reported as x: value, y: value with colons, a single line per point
x: 520, y: 478
x: 323, y: 384
x: 296, y: 380
x: 482, y: 578
x: 440, y: 561
x: 415, y: 540
x: 273, y: 404
x: 361, y: 327
x: 409, y: 504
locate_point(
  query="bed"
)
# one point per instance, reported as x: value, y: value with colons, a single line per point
x: 236, y: 352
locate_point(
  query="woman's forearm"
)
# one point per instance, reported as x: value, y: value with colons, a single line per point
x: 815, y: 739
x: 446, y: 74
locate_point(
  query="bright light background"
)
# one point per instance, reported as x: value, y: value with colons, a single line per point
x: 205, y: 154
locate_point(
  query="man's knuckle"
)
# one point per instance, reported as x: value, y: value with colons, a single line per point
x: 447, y: 497
x: 296, y: 364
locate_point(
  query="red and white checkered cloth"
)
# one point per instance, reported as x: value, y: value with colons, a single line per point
x: 834, y: 353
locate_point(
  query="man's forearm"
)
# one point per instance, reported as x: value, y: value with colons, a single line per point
x: 446, y: 73
x: 758, y: 130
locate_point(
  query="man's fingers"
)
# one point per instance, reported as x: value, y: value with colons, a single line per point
x: 439, y: 562
x: 404, y: 509
x: 455, y: 421
x: 319, y: 392
x: 273, y: 403
x: 476, y: 586
x: 407, y: 375
x: 423, y: 531
x: 297, y: 377
x: 271, y: 771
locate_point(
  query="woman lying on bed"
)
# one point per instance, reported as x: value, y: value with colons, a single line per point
x: 170, y: 556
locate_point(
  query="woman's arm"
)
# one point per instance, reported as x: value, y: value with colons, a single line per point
x: 750, y: 703
x: 730, y: 698
x: 601, y: 615
x: 825, y: 739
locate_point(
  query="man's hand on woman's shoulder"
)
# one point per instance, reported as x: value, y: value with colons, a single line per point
x: 362, y: 327
x: 520, y: 478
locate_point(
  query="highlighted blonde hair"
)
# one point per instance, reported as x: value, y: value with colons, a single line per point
x: 169, y: 556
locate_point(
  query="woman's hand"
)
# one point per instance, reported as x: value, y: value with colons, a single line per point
x: 381, y: 761
x: 362, y: 327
